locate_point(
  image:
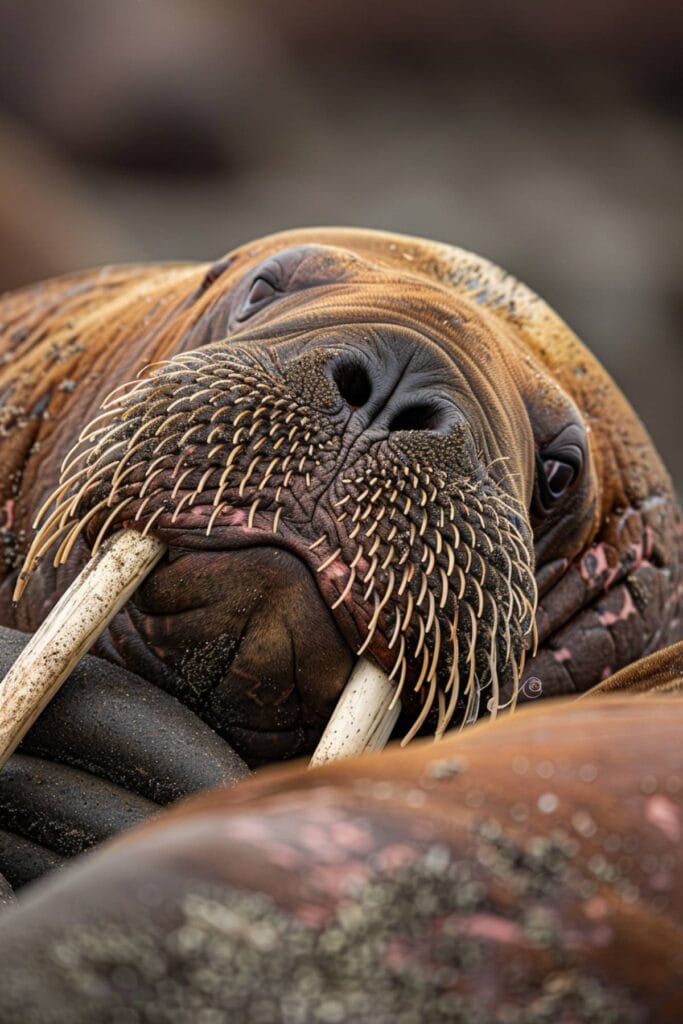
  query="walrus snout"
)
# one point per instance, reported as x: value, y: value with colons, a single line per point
x: 363, y: 452
x: 338, y: 421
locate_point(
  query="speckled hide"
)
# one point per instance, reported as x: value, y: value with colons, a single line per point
x: 526, y: 871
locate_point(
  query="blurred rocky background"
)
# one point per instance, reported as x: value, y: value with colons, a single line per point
x: 546, y: 136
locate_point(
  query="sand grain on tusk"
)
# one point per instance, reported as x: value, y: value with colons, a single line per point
x: 73, y: 625
x: 363, y: 718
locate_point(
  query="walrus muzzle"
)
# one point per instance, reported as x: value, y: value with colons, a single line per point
x: 393, y: 507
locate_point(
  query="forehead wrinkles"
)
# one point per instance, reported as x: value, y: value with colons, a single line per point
x: 431, y: 310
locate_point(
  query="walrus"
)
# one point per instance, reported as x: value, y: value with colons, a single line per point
x: 343, y: 443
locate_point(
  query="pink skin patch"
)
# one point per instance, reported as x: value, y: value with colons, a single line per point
x: 251, y: 830
x: 594, y: 564
x: 333, y: 581
x: 283, y: 856
x: 562, y: 655
x: 352, y: 836
x: 608, y: 618
x: 596, y: 908
x: 491, y: 927
x: 318, y: 841
x: 397, y: 955
x: 595, y: 569
x: 234, y: 517
x: 313, y: 915
x: 664, y: 815
x: 7, y: 511
x: 336, y: 880
x: 336, y: 574
x: 398, y: 855
x: 638, y: 554
x: 322, y: 813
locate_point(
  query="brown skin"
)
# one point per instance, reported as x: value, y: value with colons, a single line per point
x: 525, y: 870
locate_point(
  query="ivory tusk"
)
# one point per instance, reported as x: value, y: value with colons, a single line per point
x: 73, y: 625
x: 363, y: 718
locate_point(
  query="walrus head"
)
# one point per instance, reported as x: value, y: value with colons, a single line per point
x: 354, y: 452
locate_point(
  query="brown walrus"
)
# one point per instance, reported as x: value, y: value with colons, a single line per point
x: 525, y: 871
x: 352, y: 442
x: 355, y: 442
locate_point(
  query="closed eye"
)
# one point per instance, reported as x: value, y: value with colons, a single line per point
x: 262, y: 291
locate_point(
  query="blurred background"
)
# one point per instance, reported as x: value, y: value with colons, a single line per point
x: 544, y: 135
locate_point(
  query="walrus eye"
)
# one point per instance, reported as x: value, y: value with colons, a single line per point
x: 261, y: 291
x: 559, y: 476
x: 558, y: 467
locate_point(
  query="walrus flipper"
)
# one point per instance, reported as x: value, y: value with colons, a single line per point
x: 109, y: 734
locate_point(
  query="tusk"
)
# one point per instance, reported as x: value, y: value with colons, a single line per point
x: 363, y: 718
x: 73, y: 625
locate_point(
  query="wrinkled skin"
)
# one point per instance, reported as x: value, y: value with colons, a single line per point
x: 361, y: 441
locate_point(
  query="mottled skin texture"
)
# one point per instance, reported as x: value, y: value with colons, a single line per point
x: 524, y: 871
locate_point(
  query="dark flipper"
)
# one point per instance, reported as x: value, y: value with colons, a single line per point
x: 65, y: 809
x: 107, y: 751
x: 110, y: 722
x: 127, y: 730
x: 22, y: 860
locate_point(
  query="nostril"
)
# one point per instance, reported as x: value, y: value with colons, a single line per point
x: 421, y: 416
x: 353, y: 383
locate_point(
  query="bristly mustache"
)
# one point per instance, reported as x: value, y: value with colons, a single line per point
x: 437, y: 566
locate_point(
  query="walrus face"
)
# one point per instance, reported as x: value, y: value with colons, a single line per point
x: 358, y: 464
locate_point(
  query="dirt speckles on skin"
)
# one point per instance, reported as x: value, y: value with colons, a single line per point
x: 411, y: 945
x: 445, y: 768
x: 548, y: 803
